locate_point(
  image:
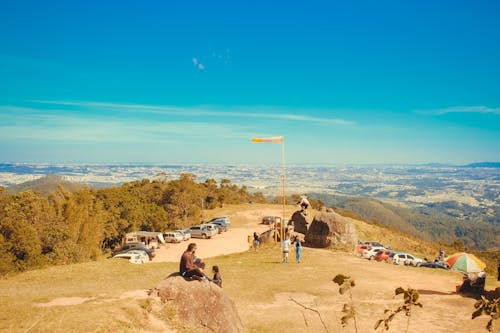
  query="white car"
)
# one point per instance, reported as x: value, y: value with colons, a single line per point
x: 403, y: 258
x: 186, y: 234
x: 372, y: 252
x: 173, y: 237
x: 134, y: 256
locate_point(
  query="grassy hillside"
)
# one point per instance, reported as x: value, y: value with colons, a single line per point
x: 425, y: 224
x: 108, y: 295
x: 44, y: 185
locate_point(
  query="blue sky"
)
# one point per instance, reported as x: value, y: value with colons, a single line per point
x: 192, y: 82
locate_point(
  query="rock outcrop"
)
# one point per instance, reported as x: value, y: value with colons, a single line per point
x: 329, y: 228
x: 202, y: 305
x: 300, y: 222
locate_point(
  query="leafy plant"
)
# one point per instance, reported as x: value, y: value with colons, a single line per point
x: 345, y: 284
x: 487, y: 307
x: 410, y: 299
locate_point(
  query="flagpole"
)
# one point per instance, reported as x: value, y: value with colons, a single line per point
x: 281, y: 140
x: 284, y: 182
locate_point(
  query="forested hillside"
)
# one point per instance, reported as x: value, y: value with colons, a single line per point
x: 69, y: 227
x: 427, y: 225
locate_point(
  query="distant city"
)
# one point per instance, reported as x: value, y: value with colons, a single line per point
x: 475, y: 188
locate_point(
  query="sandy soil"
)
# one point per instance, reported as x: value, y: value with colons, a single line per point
x: 233, y: 241
x: 444, y: 310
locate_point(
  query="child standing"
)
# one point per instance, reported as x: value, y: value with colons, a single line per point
x: 217, y: 279
x: 286, y: 249
x: 298, y: 249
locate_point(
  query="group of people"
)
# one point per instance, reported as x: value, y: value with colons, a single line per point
x: 193, y: 268
x: 286, y: 248
x: 472, y: 283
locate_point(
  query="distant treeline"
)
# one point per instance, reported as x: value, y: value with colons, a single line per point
x: 425, y: 224
x: 70, y: 226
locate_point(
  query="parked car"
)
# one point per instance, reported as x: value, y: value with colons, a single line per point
x: 268, y: 220
x: 186, y: 234
x: 223, y: 219
x: 134, y: 256
x: 134, y: 246
x: 360, y: 248
x: 203, y: 231
x: 221, y: 226
x: 173, y: 237
x: 403, y: 258
x: 372, y: 252
x: 434, y: 265
x: 384, y: 255
x: 371, y: 243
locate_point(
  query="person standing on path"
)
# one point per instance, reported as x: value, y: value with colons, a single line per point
x: 285, y: 249
x: 298, y: 249
x: 256, y: 241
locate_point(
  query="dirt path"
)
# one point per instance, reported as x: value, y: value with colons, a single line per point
x: 233, y: 241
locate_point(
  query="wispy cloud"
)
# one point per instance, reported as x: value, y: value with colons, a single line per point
x: 28, y: 124
x: 460, y: 109
x: 267, y: 112
x: 198, y: 64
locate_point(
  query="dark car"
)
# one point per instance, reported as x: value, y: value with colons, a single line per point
x: 134, y: 246
x: 371, y: 243
x: 434, y: 265
x: 223, y: 219
x: 268, y: 220
x: 221, y: 225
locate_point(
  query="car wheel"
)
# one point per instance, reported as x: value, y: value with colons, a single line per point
x: 204, y: 236
x: 372, y: 257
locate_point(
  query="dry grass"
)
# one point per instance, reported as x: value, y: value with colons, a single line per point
x: 260, y: 285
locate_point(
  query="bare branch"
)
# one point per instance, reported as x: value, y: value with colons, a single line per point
x: 313, y: 310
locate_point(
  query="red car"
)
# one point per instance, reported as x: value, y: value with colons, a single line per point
x: 360, y: 249
x: 384, y: 255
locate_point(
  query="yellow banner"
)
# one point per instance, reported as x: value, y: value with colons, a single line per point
x: 274, y: 139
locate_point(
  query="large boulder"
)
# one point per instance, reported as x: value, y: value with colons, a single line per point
x: 200, y: 304
x: 329, y: 228
x: 300, y: 223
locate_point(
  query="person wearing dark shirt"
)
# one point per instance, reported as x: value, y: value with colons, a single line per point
x: 217, y: 279
x: 298, y: 249
x: 256, y: 241
x: 187, y: 267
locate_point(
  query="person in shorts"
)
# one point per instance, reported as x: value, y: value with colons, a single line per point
x: 285, y: 249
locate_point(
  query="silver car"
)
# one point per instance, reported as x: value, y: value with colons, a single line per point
x: 203, y: 231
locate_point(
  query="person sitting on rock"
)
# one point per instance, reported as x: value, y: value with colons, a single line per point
x: 303, y: 204
x: 217, y: 279
x: 187, y: 267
